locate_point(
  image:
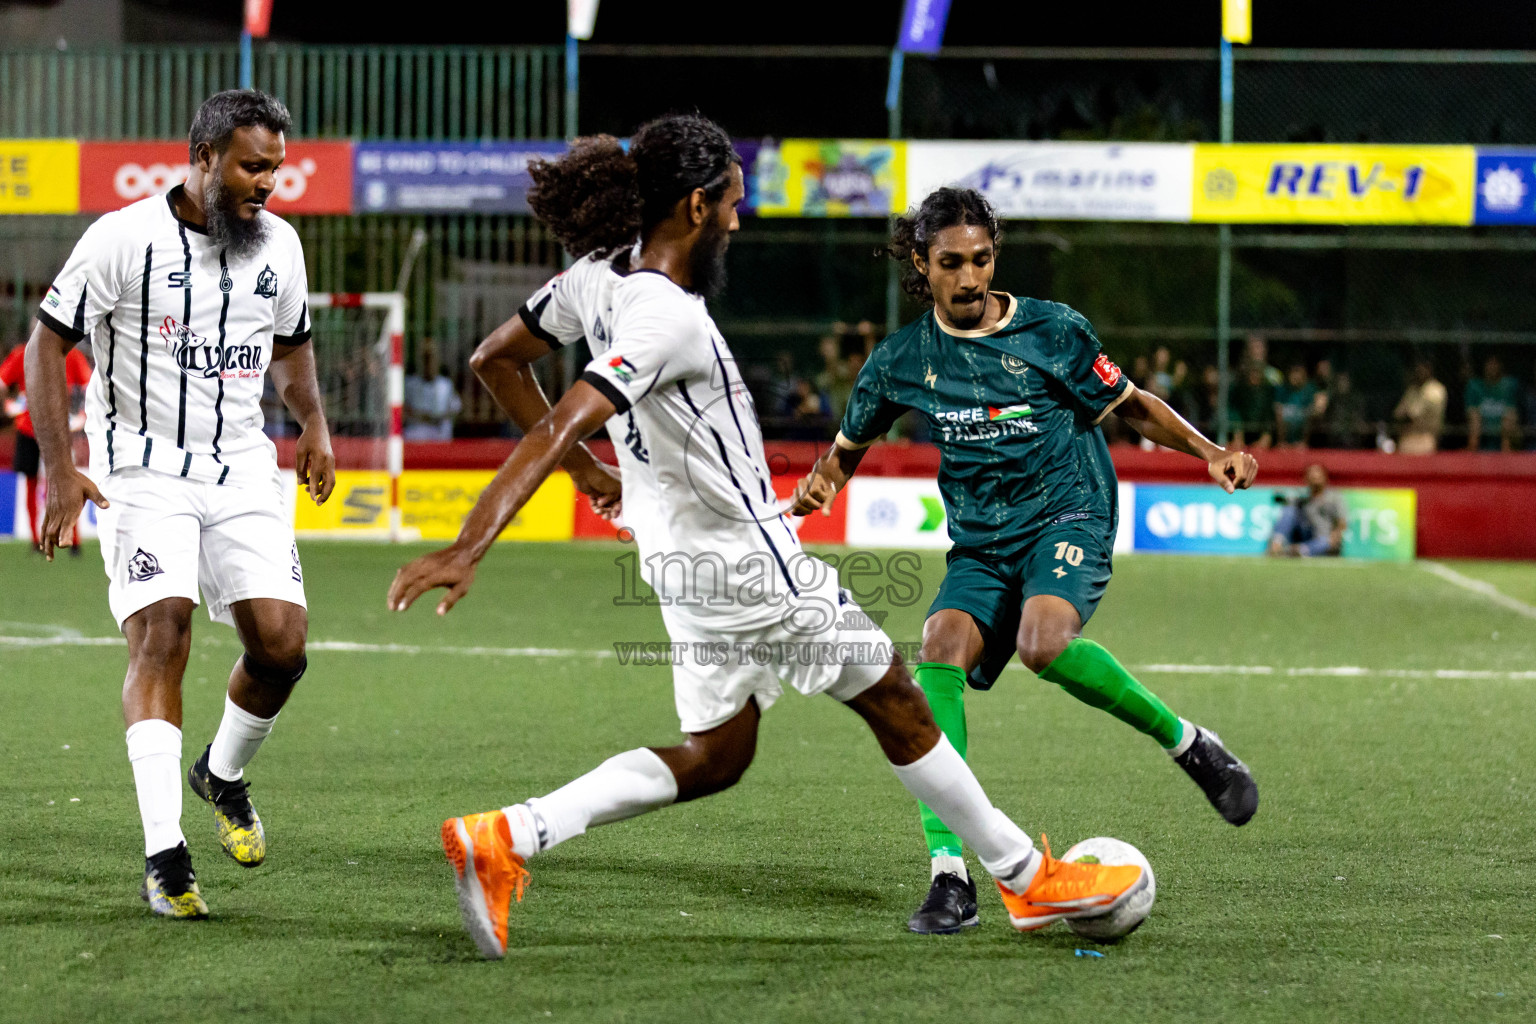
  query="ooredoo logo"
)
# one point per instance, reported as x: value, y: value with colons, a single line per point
x: 133, y: 181
x: 317, y: 177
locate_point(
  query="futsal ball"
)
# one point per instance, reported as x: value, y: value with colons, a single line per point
x: 1127, y: 917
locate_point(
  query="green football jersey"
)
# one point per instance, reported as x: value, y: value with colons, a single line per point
x: 1014, y: 410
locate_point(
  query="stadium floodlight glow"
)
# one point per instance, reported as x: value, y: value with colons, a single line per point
x: 388, y: 353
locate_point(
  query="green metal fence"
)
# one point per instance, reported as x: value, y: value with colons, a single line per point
x: 151, y: 92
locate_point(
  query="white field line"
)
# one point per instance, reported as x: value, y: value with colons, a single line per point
x: 1479, y: 587
x: 352, y: 647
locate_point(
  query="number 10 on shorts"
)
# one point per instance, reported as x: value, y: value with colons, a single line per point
x: 1070, y: 553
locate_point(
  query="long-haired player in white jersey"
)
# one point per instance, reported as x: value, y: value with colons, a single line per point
x: 651, y: 228
x: 189, y: 299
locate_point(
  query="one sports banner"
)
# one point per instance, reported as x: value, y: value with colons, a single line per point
x: 831, y: 178
x: 1285, y: 184
x: 446, y: 177
x: 1061, y: 180
x: 1506, y: 186
x: 316, y: 177
x: 1199, y: 519
x: 904, y: 512
x: 39, y: 176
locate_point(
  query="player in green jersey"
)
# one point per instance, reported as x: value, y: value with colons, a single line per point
x: 1014, y: 390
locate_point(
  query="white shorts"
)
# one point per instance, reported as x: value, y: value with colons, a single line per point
x: 166, y: 536
x: 823, y: 645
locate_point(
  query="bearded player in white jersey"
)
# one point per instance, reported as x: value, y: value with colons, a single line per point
x: 188, y: 300
x: 652, y: 228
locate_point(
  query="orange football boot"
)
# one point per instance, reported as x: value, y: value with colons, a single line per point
x: 1062, y: 890
x: 487, y: 875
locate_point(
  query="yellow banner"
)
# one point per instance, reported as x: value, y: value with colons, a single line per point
x: 433, y: 504
x: 831, y: 178
x: 39, y: 176
x: 1334, y: 184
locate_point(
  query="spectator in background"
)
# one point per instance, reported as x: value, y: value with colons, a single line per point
x: 1256, y: 355
x: 1420, y: 413
x: 27, y: 459
x: 1492, y: 403
x: 1311, y: 524
x: 1295, y: 401
x: 1253, y: 406
x: 842, y: 356
x: 1141, y: 373
x: 780, y: 387
x: 1163, y: 383
x: 431, y: 400
x: 1341, y: 413
x: 807, y: 413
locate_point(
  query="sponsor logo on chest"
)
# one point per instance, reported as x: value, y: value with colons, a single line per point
x: 199, y: 357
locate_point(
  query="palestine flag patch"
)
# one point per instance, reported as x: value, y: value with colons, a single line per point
x: 1008, y: 412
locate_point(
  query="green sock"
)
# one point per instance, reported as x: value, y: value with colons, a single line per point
x: 1092, y: 675
x: 945, y: 687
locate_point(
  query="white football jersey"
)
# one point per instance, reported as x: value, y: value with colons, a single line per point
x: 698, y: 494
x: 182, y: 337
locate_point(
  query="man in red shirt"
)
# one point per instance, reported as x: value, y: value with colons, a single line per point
x: 13, y: 374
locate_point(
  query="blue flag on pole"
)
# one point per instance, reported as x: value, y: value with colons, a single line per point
x: 922, y: 26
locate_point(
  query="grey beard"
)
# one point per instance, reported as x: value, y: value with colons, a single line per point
x: 238, y: 238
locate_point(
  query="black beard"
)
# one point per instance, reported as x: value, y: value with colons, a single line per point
x: 706, y: 264
x: 969, y: 323
x: 238, y: 237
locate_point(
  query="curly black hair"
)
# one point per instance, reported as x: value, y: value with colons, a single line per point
x: 944, y: 208
x: 598, y: 198
x: 588, y: 198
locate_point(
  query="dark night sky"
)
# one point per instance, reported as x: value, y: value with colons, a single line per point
x: 1475, y: 24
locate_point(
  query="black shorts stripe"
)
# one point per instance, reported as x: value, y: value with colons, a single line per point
x: 606, y: 386
x: 186, y: 324
x: 111, y: 455
x: 149, y: 443
x: 223, y: 475
x: 149, y: 266
x: 746, y: 502
x: 186, y: 464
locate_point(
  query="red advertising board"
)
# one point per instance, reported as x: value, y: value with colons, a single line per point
x: 315, y: 178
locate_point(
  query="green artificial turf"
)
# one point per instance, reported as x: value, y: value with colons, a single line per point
x: 1390, y: 873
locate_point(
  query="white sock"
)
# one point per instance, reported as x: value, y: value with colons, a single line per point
x: 154, y: 749
x: 239, y: 737
x: 942, y: 780
x: 948, y: 863
x: 624, y: 786
x: 1186, y: 738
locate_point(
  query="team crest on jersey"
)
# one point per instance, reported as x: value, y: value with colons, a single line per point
x: 143, y: 566
x: 1014, y: 364
x: 622, y: 368
x: 199, y: 357
x: 1108, y: 372
x: 599, y: 330
x: 266, y: 283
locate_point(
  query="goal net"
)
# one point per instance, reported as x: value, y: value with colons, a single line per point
x: 358, y: 342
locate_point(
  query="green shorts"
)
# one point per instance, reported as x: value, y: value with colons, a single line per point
x: 1069, y: 560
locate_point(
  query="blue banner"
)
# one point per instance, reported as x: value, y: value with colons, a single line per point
x: 445, y: 177
x: 1202, y: 519
x: 922, y: 26
x: 8, y: 503
x: 1505, y: 186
